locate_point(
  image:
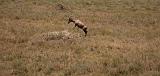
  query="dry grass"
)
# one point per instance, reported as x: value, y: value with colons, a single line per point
x: 123, y: 39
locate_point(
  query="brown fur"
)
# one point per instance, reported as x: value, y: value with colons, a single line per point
x: 78, y: 24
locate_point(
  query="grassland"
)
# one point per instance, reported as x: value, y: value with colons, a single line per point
x: 123, y: 38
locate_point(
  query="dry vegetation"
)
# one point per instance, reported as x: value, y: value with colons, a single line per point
x: 123, y: 38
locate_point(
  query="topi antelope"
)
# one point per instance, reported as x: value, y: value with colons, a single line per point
x: 79, y: 24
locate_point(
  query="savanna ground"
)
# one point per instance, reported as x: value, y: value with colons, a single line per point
x: 123, y: 38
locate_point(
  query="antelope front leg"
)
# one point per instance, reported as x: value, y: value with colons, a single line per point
x: 74, y: 26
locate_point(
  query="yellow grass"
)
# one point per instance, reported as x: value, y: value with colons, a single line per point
x: 123, y: 38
